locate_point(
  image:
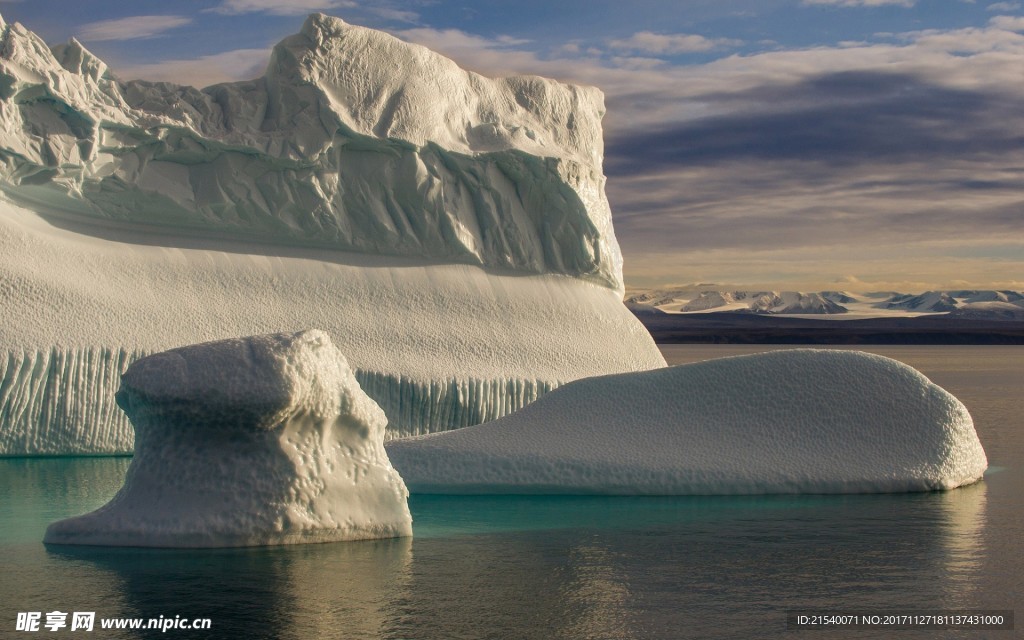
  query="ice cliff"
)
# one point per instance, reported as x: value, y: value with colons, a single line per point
x: 801, y: 421
x: 449, y: 231
x: 251, y: 441
x: 352, y: 140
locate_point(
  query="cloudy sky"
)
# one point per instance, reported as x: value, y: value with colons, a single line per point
x: 808, y: 144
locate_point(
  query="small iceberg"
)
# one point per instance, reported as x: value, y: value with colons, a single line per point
x: 252, y: 441
x: 800, y: 421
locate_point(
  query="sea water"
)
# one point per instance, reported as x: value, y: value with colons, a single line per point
x: 560, y: 567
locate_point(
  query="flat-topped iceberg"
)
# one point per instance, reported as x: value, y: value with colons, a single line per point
x: 252, y: 441
x: 450, y: 232
x: 801, y: 421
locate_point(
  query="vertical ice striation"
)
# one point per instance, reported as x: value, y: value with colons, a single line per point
x: 61, y: 402
x: 450, y: 232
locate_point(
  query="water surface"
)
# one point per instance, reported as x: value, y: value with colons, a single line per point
x: 563, y: 567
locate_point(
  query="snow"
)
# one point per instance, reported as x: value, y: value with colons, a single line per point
x: 709, y: 300
x: 353, y: 140
x: 798, y: 421
x: 437, y: 346
x: 993, y: 310
x: 1012, y: 297
x: 927, y: 301
x: 836, y: 305
x: 450, y: 232
x: 251, y: 441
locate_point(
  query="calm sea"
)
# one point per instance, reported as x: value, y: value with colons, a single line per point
x: 557, y: 567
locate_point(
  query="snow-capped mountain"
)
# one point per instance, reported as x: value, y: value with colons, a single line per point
x: 937, y: 301
x: 974, y: 304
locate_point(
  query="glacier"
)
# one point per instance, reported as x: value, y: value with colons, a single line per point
x: 800, y: 421
x: 450, y: 232
x: 251, y: 441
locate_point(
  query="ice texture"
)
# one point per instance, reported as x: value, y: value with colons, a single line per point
x: 437, y: 346
x: 450, y: 232
x: 251, y: 441
x: 353, y: 139
x: 800, y: 421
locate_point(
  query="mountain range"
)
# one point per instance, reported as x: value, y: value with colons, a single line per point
x: 964, y: 304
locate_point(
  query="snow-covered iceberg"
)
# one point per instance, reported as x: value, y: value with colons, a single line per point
x: 800, y: 421
x: 251, y: 441
x: 449, y: 231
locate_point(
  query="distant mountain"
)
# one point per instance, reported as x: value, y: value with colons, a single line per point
x: 937, y: 301
x: 995, y: 310
x: 839, y: 297
x: 963, y: 304
x: 795, y: 303
x: 709, y: 300
x: 989, y: 296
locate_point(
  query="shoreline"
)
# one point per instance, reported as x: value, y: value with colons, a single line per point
x: 727, y: 328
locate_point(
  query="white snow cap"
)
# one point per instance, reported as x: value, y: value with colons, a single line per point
x: 251, y: 441
x: 801, y: 421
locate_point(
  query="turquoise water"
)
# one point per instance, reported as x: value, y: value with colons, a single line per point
x: 561, y: 567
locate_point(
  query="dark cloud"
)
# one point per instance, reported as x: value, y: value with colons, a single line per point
x: 835, y: 119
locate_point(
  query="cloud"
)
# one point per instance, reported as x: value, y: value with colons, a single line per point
x: 386, y: 10
x: 837, y: 119
x: 1003, y: 6
x: 1008, y: 23
x: 861, y: 3
x: 395, y: 15
x: 670, y: 44
x: 637, y: 62
x: 239, y: 64
x: 130, y: 28
x: 281, y: 7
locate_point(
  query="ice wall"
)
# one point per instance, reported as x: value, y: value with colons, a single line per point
x: 61, y: 402
x: 437, y: 346
x: 249, y: 441
x: 449, y: 231
x: 800, y: 421
x: 352, y: 139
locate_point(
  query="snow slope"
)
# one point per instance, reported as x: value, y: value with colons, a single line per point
x: 448, y: 231
x: 250, y: 441
x: 834, y: 422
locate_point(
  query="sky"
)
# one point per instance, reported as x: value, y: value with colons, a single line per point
x: 863, y: 145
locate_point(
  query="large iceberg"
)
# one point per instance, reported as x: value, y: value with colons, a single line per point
x: 449, y: 231
x: 801, y: 421
x: 252, y: 441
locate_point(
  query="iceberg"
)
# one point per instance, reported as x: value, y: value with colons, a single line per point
x: 450, y: 232
x: 253, y: 441
x: 800, y: 421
